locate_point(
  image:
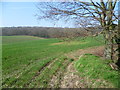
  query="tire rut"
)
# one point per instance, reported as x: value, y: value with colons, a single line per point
x: 57, y: 77
x: 39, y: 72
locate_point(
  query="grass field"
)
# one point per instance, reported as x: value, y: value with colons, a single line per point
x: 29, y: 61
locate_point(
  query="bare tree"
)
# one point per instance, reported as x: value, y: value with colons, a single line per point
x: 102, y: 12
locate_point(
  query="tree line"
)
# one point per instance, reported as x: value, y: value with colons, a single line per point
x: 48, y: 32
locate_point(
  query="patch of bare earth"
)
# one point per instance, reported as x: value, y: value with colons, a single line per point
x: 69, y: 43
x: 70, y: 79
x: 57, y: 43
x: 98, y: 51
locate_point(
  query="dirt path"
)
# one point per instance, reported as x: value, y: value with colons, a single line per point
x: 70, y: 79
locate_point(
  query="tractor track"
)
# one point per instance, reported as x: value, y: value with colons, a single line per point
x: 57, y: 77
x: 39, y: 72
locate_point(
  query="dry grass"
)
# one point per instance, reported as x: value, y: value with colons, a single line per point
x: 70, y: 43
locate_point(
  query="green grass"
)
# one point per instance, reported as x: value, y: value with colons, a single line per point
x: 25, y: 74
x: 17, y: 39
x: 23, y: 56
x: 94, y: 67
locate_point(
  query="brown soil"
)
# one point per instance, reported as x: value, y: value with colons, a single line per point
x: 98, y: 51
x: 71, y: 80
x: 69, y: 43
x: 57, y: 43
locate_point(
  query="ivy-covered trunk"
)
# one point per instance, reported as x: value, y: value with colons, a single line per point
x: 118, y: 43
x: 118, y: 62
x: 112, y: 44
x: 109, y: 51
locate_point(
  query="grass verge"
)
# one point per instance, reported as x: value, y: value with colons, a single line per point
x: 93, y: 67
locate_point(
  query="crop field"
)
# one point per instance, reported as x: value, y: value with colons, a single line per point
x: 32, y: 62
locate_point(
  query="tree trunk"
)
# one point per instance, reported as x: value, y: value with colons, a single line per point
x: 118, y: 62
x: 118, y: 43
x: 109, y: 51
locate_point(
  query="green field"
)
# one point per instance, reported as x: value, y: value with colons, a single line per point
x: 29, y: 61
